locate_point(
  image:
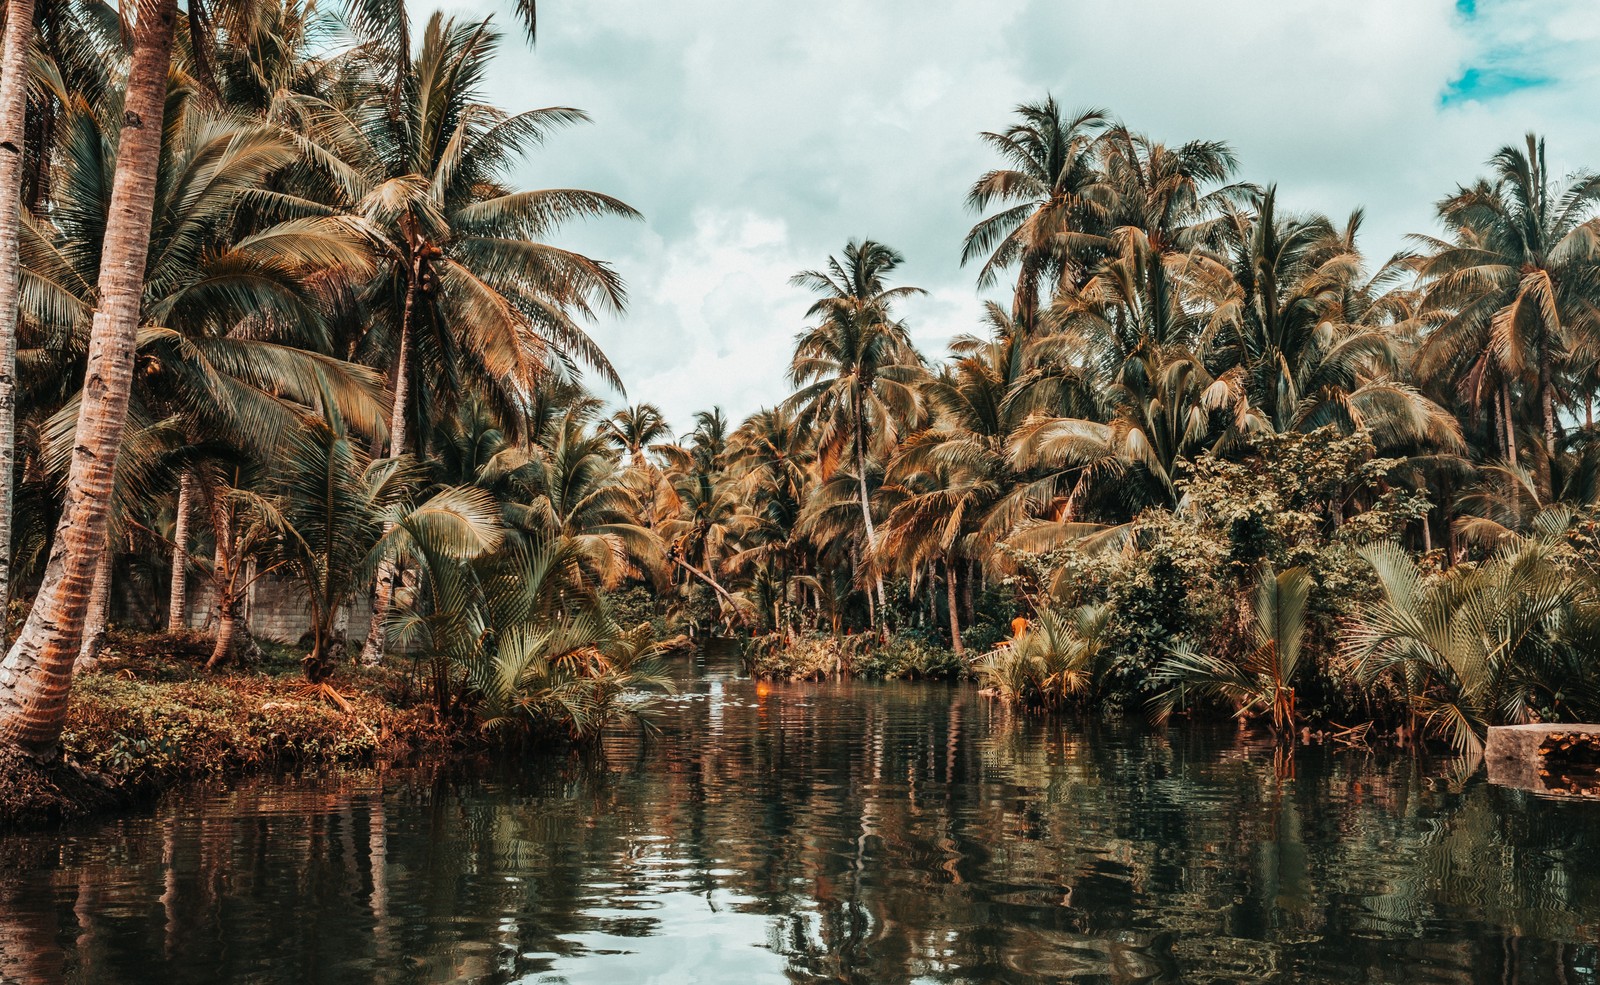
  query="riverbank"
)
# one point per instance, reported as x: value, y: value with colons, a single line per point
x: 902, y: 657
x: 149, y: 718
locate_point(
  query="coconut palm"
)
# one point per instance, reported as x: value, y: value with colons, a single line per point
x: 470, y: 296
x: 856, y: 370
x: 13, y: 117
x: 635, y: 428
x: 1516, y: 286
x: 1047, y: 215
x: 236, y: 313
x: 37, y: 673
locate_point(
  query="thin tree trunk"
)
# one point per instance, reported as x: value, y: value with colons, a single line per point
x: 715, y: 587
x: 1508, y: 420
x: 866, y: 513
x: 955, y: 619
x: 178, y: 590
x: 389, y: 567
x: 225, y: 575
x: 1547, y: 397
x: 13, y: 119
x: 36, y: 677
x: 94, y: 621
x: 969, y: 611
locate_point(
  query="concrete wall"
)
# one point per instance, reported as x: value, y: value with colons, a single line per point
x: 275, y: 610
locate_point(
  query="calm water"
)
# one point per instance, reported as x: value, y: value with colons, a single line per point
x: 871, y: 834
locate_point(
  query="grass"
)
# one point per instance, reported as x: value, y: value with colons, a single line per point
x: 149, y: 718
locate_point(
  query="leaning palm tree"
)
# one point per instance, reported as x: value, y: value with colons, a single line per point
x: 856, y: 370
x: 36, y: 675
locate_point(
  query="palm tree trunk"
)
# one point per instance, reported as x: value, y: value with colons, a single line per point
x: 866, y: 512
x: 178, y: 589
x: 227, y: 628
x: 94, y: 621
x: 36, y: 676
x: 955, y: 620
x: 13, y: 119
x: 224, y: 574
x: 968, y: 610
x: 389, y: 567
x: 1509, y: 420
x: 1547, y: 397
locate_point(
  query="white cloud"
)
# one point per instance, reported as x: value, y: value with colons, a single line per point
x: 758, y: 136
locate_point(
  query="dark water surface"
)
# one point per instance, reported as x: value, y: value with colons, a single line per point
x: 828, y: 833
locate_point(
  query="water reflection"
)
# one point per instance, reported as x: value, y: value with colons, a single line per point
x: 828, y: 834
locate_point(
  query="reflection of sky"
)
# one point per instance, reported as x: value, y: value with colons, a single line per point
x: 694, y: 939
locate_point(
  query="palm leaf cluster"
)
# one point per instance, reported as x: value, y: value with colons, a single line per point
x: 360, y: 359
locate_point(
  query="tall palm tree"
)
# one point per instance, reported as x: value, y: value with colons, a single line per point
x: 36, y: 675
x: 856, y: 370
x: 235, y: 314
x: 13, y: 117
x: 1047, y: 215
x: 635, y: 428
x: 1518, y: 284
x: 471, y: 296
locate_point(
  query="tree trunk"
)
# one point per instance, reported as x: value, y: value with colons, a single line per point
x: 13, y: 118
x: 1509, y: 420
x: 178, y: 590
x: 36, y: 676
x: 227, y: 628
x: 389, y: 567
x: 866, y: 511
x: 955, y: 620
x: 968, y: 611
x: 94, y: 621
x: 1547, y: 397
x: 225, y: 574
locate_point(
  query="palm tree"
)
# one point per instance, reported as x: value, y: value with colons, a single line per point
x: 1047, y: 215
x: 1518, y: 286
x: 13, y: 117
x: 471, y: 297
x: 37, y: 673
x: 857, y: 370
x: 235, y: 312
x: 1505, y: 640
x: 635, y: 428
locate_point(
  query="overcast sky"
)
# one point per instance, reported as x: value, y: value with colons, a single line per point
x: 757, y: 136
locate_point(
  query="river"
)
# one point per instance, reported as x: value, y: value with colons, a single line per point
x: 827, y: 833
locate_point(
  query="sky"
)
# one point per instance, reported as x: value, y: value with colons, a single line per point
x: 758, y: 136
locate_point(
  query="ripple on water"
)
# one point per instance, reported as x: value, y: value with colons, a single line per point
x: 825, y: 833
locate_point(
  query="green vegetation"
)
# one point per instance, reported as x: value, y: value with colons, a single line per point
x: 1210, y: 458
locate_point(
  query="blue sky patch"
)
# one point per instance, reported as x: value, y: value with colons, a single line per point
x: 1484, y: 84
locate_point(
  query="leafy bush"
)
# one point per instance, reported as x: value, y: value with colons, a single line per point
x: 1060, y: 659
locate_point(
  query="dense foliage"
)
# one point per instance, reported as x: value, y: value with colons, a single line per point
x: 1209, y: 455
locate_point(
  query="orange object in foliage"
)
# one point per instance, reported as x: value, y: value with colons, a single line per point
x: 1019, y: 626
